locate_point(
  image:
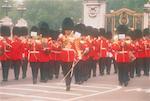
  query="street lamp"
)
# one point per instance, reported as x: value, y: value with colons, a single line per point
x: 21, y: 8
x: 147, y: 10
x: 6, y: 6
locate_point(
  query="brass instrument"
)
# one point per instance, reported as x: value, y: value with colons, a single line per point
x: 44, y: 42
x: 7, y: 47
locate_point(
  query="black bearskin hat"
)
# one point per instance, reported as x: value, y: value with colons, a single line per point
x: 44, y: 29
x: 67, y: 24
x: 122, y: 29
x: 16, y: 31
x: 146, y: 32
x: 5, y: 31
x: 34, y: 29
x: 24, y: 31
x: 95, y: 32
x: 108, y: 35
x: 101, y: 31
x: 138, y: 33
x: 80, y: 28
x: 88, y: 30
x: 131, y: 34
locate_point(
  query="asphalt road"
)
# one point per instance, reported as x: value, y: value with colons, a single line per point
x: 99, y: 88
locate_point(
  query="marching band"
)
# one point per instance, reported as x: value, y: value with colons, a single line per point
x: 78, y: 50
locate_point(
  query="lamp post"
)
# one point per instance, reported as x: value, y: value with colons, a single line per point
x: 6, y: 6
x: 147, y: 10
x: 21, y: 8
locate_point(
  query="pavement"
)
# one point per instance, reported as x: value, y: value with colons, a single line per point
x: 99, y: 88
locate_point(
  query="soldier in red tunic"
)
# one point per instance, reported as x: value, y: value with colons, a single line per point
x: 55, y: 56
x: 67, y: 53
x: 139, y: 52
x: 146, y: 42
x: 122, y: 56
x: 16, y: 48
x: 81, y: 46
x: 24, y: 38
x: 44, y: 52
x: 34, y: 50
x: 5, y: 51
x: 103, y: 50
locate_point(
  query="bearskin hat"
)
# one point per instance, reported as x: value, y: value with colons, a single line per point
x: 108, y: 35
x: 80, y: 28
x: 146, y: 32
x: 34, y: 29
x: 16, y: 31
x: 67, y: 24
x: 88, y: 30
x: 5, y: 31
x: 138, y: 33
x: 122, y: 29
x: 44, y: 29
x: 101, y: 31
x: 130, y: 33
x: 24, y: 31
x: 95, y: 32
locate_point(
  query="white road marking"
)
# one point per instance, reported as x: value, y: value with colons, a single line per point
x: 138, y: 90
x: 76, y: 89
x: 87, y: 86
x: 107, y: 91
x: 41, y: 91
x: 135, y: 89
x: 31, y: 96
x: 99, y: 90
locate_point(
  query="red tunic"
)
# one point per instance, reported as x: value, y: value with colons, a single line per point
x: 5, y: 46
x: 17, y: 49
x: 34, y: 51
x: 139, y: 49
x: 67, y: 55
x: 122, y: 52
x: 103, y: 47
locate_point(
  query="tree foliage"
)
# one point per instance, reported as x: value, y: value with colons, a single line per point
x: 54, y: 11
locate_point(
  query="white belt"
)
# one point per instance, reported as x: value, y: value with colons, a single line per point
x: 121, y: 52
x: 34, y: 51
x: 103, y: 48
x: 67, y: 49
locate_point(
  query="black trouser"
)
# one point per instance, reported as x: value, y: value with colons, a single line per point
x: 56, y: 68
x: 89, y: 66
x: 132, y: 69
x: 146, y: 66
x: 102, y: 65
x: 16, y: 65
x: 66, y: 66
x: 123, y: 76
x: 44, y: 67
x: 139, y: 65
x: 77, y: 72
x: 93, y: 67
x: 115, y: 66
x: 24, y: 67
x: 51, y: 69
x: 5, y: 69
x: 108, y: 64
x: 80, y: 72
x: 34, y: 68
